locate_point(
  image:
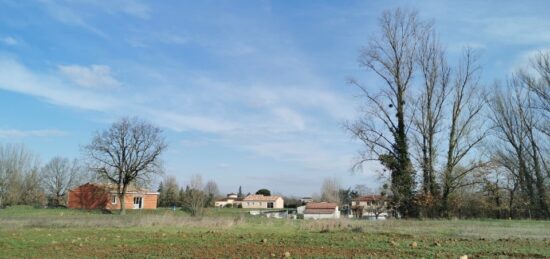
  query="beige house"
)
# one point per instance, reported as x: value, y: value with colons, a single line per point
x: 319, y: 210
x: 232, y: 200
x: 263, y: 202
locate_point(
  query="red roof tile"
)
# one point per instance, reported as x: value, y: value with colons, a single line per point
x: 370, y: 198
x: 321, y: 205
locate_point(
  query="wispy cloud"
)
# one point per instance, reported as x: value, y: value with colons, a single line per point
x: 268, y: 121
x: 8, y: 40
x: 18, y: 78
x: 517, y: 29
x: 13, y: 133
x: 64, y: 13
x: 94, y: 76
x: 70, y: 12
x: 134, y: 8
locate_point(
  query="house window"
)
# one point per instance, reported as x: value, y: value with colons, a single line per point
x: 138, y: 202
x: 113, y: 199
x: 270, y: 205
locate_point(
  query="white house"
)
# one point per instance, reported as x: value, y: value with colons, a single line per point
x: 263, y: 202
x: 230, y: 201
x: 319, y: 210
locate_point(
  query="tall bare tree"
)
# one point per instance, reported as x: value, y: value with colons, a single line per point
x: 16, y: 162
x: 519, y: 116
x: 429, y: 116
x: 211, y: 188
x: 194, y: 199
x: 538, y: 82
x: 384, y: 126
x: 515, y: 125
x: 127, y: 152
x: 212, y: 192
x: 330, y: 190
x: 58, y: 176
x: 466, y: 130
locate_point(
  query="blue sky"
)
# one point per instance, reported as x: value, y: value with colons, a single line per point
x: 249, y: 93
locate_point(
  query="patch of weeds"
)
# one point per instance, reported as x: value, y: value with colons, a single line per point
x: 358, y: 229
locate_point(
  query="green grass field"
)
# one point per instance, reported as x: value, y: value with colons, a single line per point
x: 29, y: 232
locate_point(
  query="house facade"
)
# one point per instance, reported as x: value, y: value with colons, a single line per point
x: 105, y: 196
x: 263, y: 202
x: 319, y: 210
x: 372, y: 206
x: 232, y: 200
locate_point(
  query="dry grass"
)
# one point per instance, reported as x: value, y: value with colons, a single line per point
x: 70, y: 233
x: 120, y: 222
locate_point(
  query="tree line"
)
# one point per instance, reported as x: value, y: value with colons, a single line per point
x: 449, y: 145
x: 194, y: 197
x: 24, y: 181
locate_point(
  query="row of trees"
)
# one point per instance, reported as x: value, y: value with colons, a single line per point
x: 126, y: 153
x: 439, y: 134
x: 332, y: 190
x: 24, y: 181
x: 194, y: 197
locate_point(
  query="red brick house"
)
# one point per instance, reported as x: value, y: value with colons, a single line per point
x: 104, y: 196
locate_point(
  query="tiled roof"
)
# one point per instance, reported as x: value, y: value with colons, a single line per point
x: 321, y: 205
x: 319, y: 211
x: 261, y: 198
x: 226, y: 199
x: 370, y: 198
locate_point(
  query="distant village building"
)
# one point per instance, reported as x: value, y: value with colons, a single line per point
x: 306, y: 200
x: 319, y: 210
x: 232, y: 200
x: 372, y: 206
x: 263, y: 202
x: 105, y: 196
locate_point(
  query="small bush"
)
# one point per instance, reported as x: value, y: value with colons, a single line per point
x: 358, y: 230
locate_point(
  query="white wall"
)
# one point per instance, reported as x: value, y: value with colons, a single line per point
x: 277, y: 204
x: 334, y: 215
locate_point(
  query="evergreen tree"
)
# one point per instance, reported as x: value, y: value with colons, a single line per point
x: 160, y: 190
x: 240, y: 193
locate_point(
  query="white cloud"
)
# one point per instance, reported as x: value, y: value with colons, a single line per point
x: 289, y: 117
x: 170, y: 38
x: 178, y: 121
x: 130, y: 7
x: 17, y: 78
x: 13, y: 133
x: 9, y: 40
x: 518, y: 29
x: 68, y: 15
x: 94, y: 76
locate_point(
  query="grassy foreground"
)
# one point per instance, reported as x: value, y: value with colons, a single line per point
x: 28, y: 232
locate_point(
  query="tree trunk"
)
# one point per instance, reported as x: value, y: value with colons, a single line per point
x: 122, y: 196
x: 539, y: 183
x: 445, y: 202
x: 122, y: 204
